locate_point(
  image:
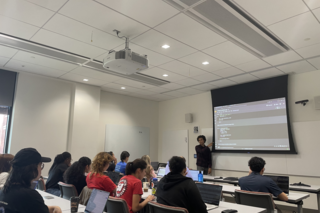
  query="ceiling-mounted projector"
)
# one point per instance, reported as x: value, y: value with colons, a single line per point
x: 125, y: 61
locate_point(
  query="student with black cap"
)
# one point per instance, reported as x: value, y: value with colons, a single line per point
x: 17, y: 195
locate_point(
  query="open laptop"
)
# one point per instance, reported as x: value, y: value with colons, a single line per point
x: 161, y: 172
x: 210, y: 194
x: 193, y: 174
x: 281, y: 181
x: 97, y: 201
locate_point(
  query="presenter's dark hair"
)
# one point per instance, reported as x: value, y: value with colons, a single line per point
x: 203, y: 137
x: 256, y: 164
x: 177, y: 164
x: 124, y: 155
x: 132, y: 167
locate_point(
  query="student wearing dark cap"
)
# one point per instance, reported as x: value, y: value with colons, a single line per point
x: 17, y: 195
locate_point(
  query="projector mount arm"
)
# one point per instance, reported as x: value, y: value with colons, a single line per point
x: 127, y: 39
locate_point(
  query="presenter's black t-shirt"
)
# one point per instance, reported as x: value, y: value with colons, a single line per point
x: 22, y: 200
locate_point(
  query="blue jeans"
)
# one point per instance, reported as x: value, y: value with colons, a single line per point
x: 54, y: 191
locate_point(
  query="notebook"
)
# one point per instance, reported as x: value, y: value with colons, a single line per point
x: 210, y: 194
x: 97, y: 201
x: 281, y: 181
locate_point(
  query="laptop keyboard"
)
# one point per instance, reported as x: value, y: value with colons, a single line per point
x: 210, y: 206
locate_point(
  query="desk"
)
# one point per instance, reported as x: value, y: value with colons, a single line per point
x: 212, y: 178
x: 312, y: 189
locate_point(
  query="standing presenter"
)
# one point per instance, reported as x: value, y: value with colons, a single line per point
x: 204, y: 161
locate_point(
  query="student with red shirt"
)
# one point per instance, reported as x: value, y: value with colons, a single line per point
x: 130, y: 186
x: 96, y: 179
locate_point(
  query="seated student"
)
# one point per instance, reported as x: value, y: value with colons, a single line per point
x: 96, y: 179
x: 149, y: 171
x: 112, y: 165
x: 175, y: 189
x: 60, y: 165
x: 75, y: 174
x: 256, y: 182
x: 121, y: 166
x: 5, y: 167
x: 16, y: 195
x: 167, y: 170
x: 130, y: 186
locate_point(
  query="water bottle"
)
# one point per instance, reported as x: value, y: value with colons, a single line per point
x: 200, y: 177
x: 155, y: 184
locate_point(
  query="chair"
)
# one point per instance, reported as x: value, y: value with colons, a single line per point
x: 160, y: 208
x: 115, y: 205
x: 41, y: 185
x: 162, y: 165
x: 114, y: 176
x: 67, y: 190
x: 256, y: 199
x: 85, y: 195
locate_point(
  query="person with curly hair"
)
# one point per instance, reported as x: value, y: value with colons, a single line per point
x: 204, y: 161
x: 75, y: 174
x: 96, y: 179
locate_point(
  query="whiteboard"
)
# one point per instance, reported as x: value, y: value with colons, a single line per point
x: 307, y: 141
x: 175, y: 143
x: 135, y: 140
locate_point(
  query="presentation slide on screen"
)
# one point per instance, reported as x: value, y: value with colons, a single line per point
x: 260, y: 125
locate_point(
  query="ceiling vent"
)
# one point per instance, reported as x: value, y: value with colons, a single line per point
x: 228, y: 19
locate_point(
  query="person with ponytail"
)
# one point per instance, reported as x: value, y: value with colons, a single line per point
x: 60, y: 165
x: 96, y: 179
x: 130, y: 186
x: 75, y: 174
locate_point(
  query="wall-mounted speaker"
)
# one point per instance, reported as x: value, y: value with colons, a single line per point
x: 317, y: 102
x: 188, y: 118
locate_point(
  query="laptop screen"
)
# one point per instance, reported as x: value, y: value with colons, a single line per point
x: 193, y: 174
x: 97, y: 201
x: 155, y: 165
x: 210, y: 193
x: 161, y: 171
x: 281, y: 181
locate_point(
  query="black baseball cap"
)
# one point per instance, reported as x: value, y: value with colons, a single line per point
x: 27, y: 157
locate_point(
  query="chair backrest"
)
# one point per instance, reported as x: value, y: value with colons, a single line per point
x: 67, y: 190
x: 155, y: 207
x: 85, y: 195
x: 256, y: 199
x: 114, y: 176
x: 116, y: 205
x: 41, y: 185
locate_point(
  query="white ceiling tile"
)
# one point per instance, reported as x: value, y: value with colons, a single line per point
x: 189, y: 31
x: 158, y: 73
x: 230, y: 53
x: 310, y: 51
x: 316, y: 12
x: 154, y: 40
x: 50, y: 4
x: 101, y: 17
x: 283, y: 58
x: 206, y: 77
x: 267, y: 73
x: 16, y: 28
x: 118, y: 87
x: 223, y: 83
x: 132, y: 83
x: 67, y: 44
x: 44, y: 61
x: 297, y: 67
x: 313, y: 4
x: 205, y: 87
x: 32, y: 68
x: 253, y: 65
x: 243, y: 78
x: 25, y: 11
x: 182, y: 68
x: 176, y: 94
x: 82, y: 32
x: 190, y: 91
x: 79, y: 78
x: 86, y: 72
x: 7, y: 51
x: 158, y: 89
x: 198, y: 58
x: 315, y: 62
x: 3, y: 61
x: 149, y: 12
x: 188, y: 82
x: 295, y: 30
x: 280, y: 9
x: 163, y: 97
x: 227, y: 72
x: 172, y: 86
x: 107, y: 89
x: 144, y: 92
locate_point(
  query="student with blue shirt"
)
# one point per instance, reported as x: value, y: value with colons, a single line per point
x: 256, y: 182
x: 121, y: 166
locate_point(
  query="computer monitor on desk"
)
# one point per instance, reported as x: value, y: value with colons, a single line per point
x: 281, y: 181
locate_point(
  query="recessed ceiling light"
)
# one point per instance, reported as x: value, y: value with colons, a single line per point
x: 165, y: 46
x: 165, y: 75
x: 23, y: 66
x: 307, y: 39
x: 123, y: 88
x: 205, y: 63
x: 85, y: 79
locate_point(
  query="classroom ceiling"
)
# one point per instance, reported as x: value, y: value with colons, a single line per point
x: 85, y: 28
